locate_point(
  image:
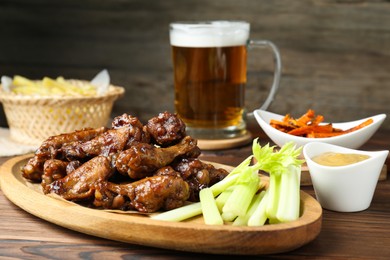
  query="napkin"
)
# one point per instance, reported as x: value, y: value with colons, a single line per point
x: 8, y: 147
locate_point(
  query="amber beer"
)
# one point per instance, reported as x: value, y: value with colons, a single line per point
x: 209, y: 77
x: 210, y: 95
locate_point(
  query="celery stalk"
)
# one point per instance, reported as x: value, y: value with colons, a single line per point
x: 231, y: 178
x: 284, y: 183
x: 241, y: 197
x: 240, y: 221
x: 243, y: 220
x: 259, y: 217
x: 289, y: 203
x: 244, y: 164
x: 222, y: 185
x: 223, y: 197
x: 179, y: 214
x: 210, y: 211
x: 274, y: 195
x: 228, y: 216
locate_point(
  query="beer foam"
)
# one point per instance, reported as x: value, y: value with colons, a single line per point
x: 209, y: 34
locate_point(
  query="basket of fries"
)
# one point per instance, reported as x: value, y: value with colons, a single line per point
x: 35, y: 113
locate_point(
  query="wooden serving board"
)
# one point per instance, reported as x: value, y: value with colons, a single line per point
x: 192, y: 235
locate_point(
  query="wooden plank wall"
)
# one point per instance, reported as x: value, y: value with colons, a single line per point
x: 335, y: 52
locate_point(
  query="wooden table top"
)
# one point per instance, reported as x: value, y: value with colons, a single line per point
x: 363, y: 235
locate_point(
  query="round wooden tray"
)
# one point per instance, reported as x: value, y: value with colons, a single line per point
x: 191, y: 235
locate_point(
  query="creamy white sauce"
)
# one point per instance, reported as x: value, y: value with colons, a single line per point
x: 339, y: 159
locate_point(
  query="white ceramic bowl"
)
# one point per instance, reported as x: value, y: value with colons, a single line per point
x: 351, y: 140
x: 347, y: 188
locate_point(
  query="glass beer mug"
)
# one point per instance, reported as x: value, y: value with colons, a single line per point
x: 210, y: 70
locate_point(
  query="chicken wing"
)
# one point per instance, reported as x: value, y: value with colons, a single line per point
x: 166, y: 129
x: 82, y: 182
x: 138, y: 132
x: 167, y: 191
x: 50, y: 148
x: 142, y: 160
x: 106, y: 144
x: 198, y: 175
x: 125, y: 131
x: 54, y: 169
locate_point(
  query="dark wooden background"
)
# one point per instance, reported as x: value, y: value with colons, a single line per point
x: 335, y: 52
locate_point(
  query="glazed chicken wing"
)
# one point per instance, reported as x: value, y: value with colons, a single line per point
x: 142, y: 160
x: 138, y: 132
x: 166, y: 129
x: 49, y: 149
x: 54, y: 169
x: 82, y: 182
x: 148, y: 195
x: 106, y: 144
x: 198, y: 175
x: 125, y: 131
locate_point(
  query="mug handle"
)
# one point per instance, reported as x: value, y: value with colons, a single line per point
x: 277, y: 73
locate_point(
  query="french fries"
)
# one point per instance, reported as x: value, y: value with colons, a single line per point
x: 48, y: 86
x: 309, y: 125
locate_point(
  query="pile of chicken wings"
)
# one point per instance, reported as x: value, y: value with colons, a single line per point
x: 128, y: 166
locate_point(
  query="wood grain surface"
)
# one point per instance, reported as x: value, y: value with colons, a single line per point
x: 361, y: 235
x: 191, y: 235
x: 335, y: 54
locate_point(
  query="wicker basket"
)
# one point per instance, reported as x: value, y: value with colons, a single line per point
x: 32, y: 119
